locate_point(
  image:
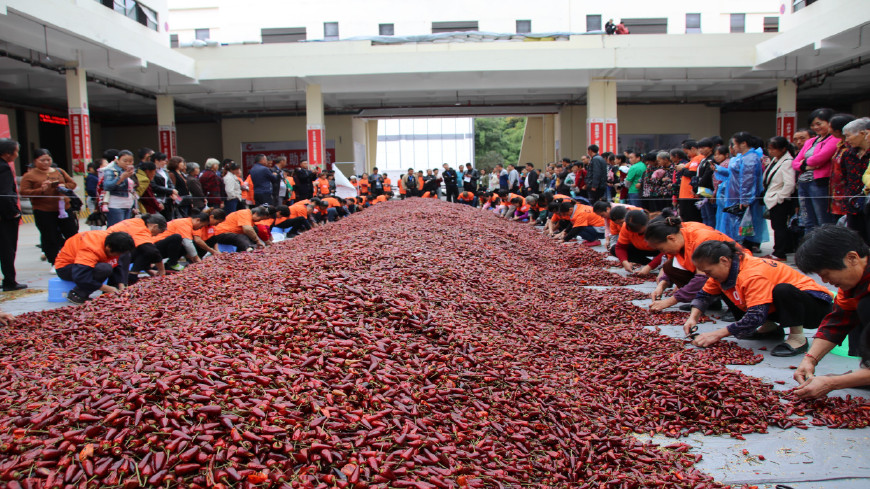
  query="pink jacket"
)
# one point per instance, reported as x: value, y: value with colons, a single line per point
x: 820, y: 161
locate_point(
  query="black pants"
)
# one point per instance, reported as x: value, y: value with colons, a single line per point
x: 859, y: 337
x: 688, y: 211
x: 636, y: 255
x: 779, y: 215
x: 794, y: 307
x: 297, y: 223
x: 261, y: 199
x: 858, y: 223
x: 240, y: 241
x: 451, y: 193
x: 596, y: 195
x: 8, y: 248
x: 89, y: 279
x: 54, y: 231
x: 171, y: 247
x: 588, y: 233
x: 147, y: 254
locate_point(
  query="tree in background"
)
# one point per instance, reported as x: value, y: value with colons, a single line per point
x: 497, y: 140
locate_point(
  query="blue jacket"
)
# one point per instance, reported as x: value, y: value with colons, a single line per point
x: 112, y: 182
x: 91, y: 182
x: 262, y: 178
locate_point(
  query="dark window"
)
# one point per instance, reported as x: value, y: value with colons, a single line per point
x: 799, y: 4
x: 771, y: 24
x: 330, y: 30
x: 386, y: 29
x: 203, y: 34
x: 593, y: 23
x: 173, y: 40
x: 462, y: 26
x: 134, y: 10
x: 148, y: 18
x: 647, y: 25
x: 738, y: 22
x: 693, y: 23
x: 126, y: 8
x: 283, y: 34
x: 524, y: 26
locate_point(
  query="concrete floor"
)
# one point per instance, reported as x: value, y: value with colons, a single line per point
x: 816, y: 458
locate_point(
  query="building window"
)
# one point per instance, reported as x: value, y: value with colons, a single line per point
x: 330, y: 30
x: 799, y: 4
x: 652, y: 25
x: 524, y: 26
x: 148, y: 18
x: 203, y: 34
x: 771, y: 24
x: 693, y: 23
x: 386, y: 29
x: 173, y: 40
x: 738, y: 22
x: 134, y: 10
x: 593, y: 23
x: 462, y: 26
x: 283, y: 34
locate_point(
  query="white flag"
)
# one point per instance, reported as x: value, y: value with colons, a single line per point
x: 343, y: 187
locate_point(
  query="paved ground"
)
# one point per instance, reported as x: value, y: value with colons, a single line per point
x: 817, y: 458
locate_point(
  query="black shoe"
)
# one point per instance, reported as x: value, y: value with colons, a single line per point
x: 785, y: 350
x: 716, y: 305
x: 686, y: 307
x: 13, y: 287
x: 75, y: 298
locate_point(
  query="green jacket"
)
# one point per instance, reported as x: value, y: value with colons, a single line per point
x: 635, y: 173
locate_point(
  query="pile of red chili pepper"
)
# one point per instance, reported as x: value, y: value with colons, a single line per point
x: 417, y: 344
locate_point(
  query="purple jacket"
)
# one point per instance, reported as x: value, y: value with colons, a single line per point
x: 820, y: 161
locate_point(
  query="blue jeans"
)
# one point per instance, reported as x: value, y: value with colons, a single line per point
x: 634, y: 199
x: 814, y: 204
x: 231, y: 205
x: 117, y: 215
x: 708, y: 214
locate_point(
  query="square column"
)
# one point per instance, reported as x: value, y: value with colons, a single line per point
x: 601, y: 120
x: 79, y: 117
x: 786, y: 108
x: 166, y: 125
x: 316, y: 129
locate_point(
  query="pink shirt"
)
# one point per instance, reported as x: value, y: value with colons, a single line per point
x: 820, y: 161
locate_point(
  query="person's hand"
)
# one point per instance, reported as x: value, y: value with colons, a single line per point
x: 805, y: 371
x: 815, y: 387
x: 46, y: 185
x: 707, y: 339
x: 661, y: 305
x: 174, y: 194
x: 108, y: 289
x: 627, y: 266
x: 644, y: 270
x: 657, y: 294
x: 6, y: 318
x: 159, y: 206
x: 690, y: 323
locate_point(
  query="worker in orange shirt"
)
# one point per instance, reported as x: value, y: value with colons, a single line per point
x: 202, y: 236
x: 147, y: 254
x: 614, y: 215
x: 321, y: 185
x: 89, y: 259
x: 583, y: 222
x: 388, y: 187
x: 238, y: 229
x: 186, y: 228
x: 403, y: 189
x: 248, y: 191
x: 467, y: 198
x: 631, y: 247
x: 363, y: 185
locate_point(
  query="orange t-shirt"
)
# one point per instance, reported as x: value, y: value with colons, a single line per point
x: 615, y: 229
x: 466, y: 197
x: 686, y: 191
x: 298, y: 209
x: 563, y: 197
x: 388, y: 185
x: 235, y: 221
x: 420, y: 183
x: 205, y: 233
x: 380, y: 198
x: 323, y: 186
x: 136, y: 228
x: 183, y: 226
x: 332, y: 202
x: 248, y: 194
x: 87, y: 248
x: 583, y: 216
x: 402, y: 189
x: 628, y: 237
x: 695, y: 233
x: 364, y: 186
x: 757, y: 278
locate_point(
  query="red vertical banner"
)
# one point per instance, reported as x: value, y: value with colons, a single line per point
x: 5, y: 130
x: 610, y: 136
x: 785, y: 124
x: 315, y: 147
x: 595, y: 132
x: 168, y: 144
x: 80, y: 137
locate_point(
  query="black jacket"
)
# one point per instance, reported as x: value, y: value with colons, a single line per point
x: 304, y: 180
x: 8, y: 193
x: 451, y: 179
x: 596, y: 176
x: 533, y: 181
x: 160, y: 186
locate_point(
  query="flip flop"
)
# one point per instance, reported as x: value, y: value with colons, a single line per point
x: 786, y: 350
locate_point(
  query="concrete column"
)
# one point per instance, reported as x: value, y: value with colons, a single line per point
x: 166, y: 125
x: 786, y: 108
x: 601, y: 119
x: 79, y: 117
x: 316, y: 127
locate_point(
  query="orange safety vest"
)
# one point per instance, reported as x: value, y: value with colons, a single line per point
x: 247, y: 195
x: 388, y: 185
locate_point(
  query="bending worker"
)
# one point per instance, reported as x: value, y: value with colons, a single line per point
x: 89, y: 259
x: 840, y: 257
x: 760, y: 293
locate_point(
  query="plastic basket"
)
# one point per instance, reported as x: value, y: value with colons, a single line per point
x: 225, y: 248
x: 58, y: 289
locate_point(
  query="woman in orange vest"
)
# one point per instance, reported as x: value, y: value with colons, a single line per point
x: 388, y: 187
x: 248, y: 191
x: 760, y: 293
x: 631, y: 247
x: 322, y: 185
x: 403, y: 191
x: 678, y: 240
x: 364, y: 185
x: 91, y: 257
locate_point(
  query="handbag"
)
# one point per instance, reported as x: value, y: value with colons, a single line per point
x: 734, y: 210
x: 75, y: 202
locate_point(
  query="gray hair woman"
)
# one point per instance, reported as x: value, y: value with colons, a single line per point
x: 194, y: 186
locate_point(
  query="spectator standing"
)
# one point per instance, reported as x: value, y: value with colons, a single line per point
x: 502, y: 175
x: 779, y: 184
x: 278, y: 165
x: 633, y: 181
x: 376, y: 183
x: 162, y: 186
x: 837, y: 186
x: 471, y: 178
x: 211, y: 183
x: 813, y: 164
x: 194, y: 186
x: 145, y: 154
x: 91, y: 181
x: 304, y: 181
x: 451, y: 183
x: 120, y: 188
x: 513, y: 178
x: 596, y: 176
x: 262, y: 179
x: 177, y: 175
x: 531, y: 185
x: 233, y: 186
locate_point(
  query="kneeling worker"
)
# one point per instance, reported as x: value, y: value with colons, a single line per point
x: 238, y: 229
x: 147, y: 252
x: 91, y: 257
x: 841, y: 258
x: 760, y: 293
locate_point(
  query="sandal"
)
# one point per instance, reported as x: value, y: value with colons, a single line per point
x: 786, y: 350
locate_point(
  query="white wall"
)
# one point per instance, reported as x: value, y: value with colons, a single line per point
x: 417, y: 143
x: 233, y: 21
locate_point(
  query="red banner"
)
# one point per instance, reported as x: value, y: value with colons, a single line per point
x: 80, y: 138
x: 294, y: 151
x: 168, y: 141
x: 610, y: 139
x: 786, y: 124
x: 595, y: 132
x: 5, y: 131
x: 315, y: 147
